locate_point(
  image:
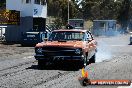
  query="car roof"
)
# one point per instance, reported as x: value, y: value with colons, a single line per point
x: 70, y: 30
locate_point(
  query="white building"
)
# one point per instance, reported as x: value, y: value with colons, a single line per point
x: 33, y: 8
x: 33, y: 14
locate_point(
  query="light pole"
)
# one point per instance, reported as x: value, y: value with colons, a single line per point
x: 68, y: 10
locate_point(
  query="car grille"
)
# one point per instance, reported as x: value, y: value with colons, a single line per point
x: 58, y: 51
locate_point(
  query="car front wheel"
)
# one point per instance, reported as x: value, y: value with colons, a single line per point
x: 83, y: 62
x: 41, y: 64
x: 92, y: 59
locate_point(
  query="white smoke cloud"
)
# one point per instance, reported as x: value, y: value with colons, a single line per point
x: 104, y: 52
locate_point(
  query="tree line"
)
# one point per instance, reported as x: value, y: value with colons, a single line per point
x: 59, y: 10
x: 2, y: 3
x: 120, y: 10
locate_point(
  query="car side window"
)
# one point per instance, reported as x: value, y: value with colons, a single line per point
x: 88, y: 36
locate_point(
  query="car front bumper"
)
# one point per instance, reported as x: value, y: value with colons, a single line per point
x: 57, y: 58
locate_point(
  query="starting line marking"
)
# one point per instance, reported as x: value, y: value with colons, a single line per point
x: 28, y: 57
x: 118, y: 45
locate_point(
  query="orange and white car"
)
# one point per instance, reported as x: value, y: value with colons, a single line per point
x: 67, y: 45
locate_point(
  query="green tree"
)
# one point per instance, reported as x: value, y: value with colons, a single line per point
x: 100, y: 9
x: 2, y: 3
x: 59, y: 8
x: 125, y: 13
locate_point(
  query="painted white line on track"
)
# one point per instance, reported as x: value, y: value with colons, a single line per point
x: 28, y: 57
x: 118, y: 45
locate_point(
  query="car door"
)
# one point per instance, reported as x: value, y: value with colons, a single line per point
x: 92, y: 44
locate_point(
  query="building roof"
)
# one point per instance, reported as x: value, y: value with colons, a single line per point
x: 104, y: 20
x: 70, y: 30
x: 76, y: 19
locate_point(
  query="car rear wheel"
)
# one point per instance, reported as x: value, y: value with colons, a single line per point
x: 41, y: 64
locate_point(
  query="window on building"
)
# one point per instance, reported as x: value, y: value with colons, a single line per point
x: 43, y: 2
x: 102, y: 25
x: 28, y: 1
x: 37, y: 1
x: 22, y: 1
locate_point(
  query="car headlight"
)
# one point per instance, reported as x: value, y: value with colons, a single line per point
x: 78, y: 51
x: 39, y: 50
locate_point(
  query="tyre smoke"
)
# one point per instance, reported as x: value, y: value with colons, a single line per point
x: 104, y: 51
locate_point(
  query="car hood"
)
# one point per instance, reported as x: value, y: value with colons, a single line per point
x: 77, y: 44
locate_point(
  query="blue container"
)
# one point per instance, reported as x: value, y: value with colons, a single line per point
x: 104, y: 27
x: 32, y: 38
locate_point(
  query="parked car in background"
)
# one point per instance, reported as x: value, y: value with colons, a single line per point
x: 77, y: 46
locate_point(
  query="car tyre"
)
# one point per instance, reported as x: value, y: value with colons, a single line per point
x: 41, y: 64
x: 23, y: 45
x: 92, y: 59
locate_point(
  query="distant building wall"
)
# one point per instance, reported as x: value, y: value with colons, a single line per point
x: 27, y: 9
x: 104, y: 27
x: 42, y: 11
x: 14, y: 5
x: 14, y: 33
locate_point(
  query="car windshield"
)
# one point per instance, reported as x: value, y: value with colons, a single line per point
x: 66, y: 36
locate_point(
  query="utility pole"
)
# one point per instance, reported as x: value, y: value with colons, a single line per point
x: 68, y: 9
